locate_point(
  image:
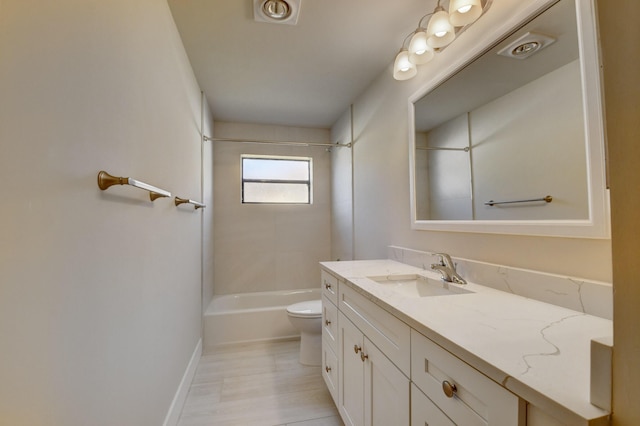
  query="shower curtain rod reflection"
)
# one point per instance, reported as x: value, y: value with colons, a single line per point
x: 428, y: 148
x: 339, y: 145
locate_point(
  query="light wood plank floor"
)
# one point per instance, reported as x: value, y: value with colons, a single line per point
x: 258, y: 384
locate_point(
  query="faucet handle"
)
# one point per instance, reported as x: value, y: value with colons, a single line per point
x: 445, y: 260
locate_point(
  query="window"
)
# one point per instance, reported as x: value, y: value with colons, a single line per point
x: 276, y: 180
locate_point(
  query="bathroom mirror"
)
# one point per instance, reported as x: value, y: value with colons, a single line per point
x: 513, y: 141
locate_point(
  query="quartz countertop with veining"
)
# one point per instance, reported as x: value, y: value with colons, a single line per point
x: 539, y: 351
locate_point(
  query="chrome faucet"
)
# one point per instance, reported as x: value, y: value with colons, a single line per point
x: 447, y: 269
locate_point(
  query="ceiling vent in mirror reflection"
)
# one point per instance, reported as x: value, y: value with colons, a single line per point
x: 526, y: 45
x: 276, y: 11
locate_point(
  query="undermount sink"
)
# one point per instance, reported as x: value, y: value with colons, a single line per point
x: 413, y: 285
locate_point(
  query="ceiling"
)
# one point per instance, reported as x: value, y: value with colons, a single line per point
x: 305, y: 75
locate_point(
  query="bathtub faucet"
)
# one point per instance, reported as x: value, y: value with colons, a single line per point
x: 447, y: 269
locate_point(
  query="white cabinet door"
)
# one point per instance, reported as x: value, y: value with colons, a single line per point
x: 386, y: 390
x: 471, y: 398
x: 330, y: 370
x: 330, y: 323
x: 351, y: 371
x: 329, y: 285
x: 424, y: 412
x: 372, y: 390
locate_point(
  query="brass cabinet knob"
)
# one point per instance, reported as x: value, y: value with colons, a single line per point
x: 327, y: 368
x: 327, y: 285
x: 356, y: 348
x: 327, y: 322
x: 449, y: 389
x: 363, y: 356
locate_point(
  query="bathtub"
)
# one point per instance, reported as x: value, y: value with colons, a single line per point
x: 252, y: 317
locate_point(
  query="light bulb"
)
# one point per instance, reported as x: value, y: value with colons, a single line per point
x: 403, y: 68
x: 419, y: 51
x: 440, y: 32
x: 464, y: 12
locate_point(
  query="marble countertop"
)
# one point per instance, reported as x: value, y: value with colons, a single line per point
x: 539, y: 351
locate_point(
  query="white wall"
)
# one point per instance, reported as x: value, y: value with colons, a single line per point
x: 449, y: 172
x: 341, y: 190
x: 621, y: 92
x: 268, y: 247
x: 100, y: 291
x: 208, y: 249
x: 528, y: 144
x: 381, y: 178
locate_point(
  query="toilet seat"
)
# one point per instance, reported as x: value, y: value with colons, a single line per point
x: 307, y: 309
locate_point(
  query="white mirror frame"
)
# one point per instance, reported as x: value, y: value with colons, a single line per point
x: 598, y: 224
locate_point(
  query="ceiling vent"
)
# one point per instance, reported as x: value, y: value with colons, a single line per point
x: 526, y: 45
x: 276, y: 11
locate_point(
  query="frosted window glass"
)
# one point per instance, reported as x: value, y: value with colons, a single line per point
x: 275, y: 169
x: 260, y: 192
x: 276, y: 180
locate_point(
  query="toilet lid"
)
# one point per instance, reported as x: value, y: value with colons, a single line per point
x: 309, y: 308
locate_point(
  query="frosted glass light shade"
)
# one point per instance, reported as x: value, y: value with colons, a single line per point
x: 419, y: 50
x: 440, y: 32
x: 403, y: 69
x: 464, y: 12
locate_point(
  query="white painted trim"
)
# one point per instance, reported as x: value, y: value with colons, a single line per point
x: 183, y: 389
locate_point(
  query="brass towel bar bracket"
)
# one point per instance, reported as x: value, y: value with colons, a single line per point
x: 105, y: 180
x: 196, y: 205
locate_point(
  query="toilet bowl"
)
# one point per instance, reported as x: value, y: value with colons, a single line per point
x: 307, y: 317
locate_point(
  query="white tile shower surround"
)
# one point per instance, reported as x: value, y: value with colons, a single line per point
x: 591, y: 297
x: 259, y: 384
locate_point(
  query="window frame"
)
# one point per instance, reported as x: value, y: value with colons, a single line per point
x: 308, y: 182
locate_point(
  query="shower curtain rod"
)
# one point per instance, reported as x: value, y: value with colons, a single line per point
x: 428, y: 148
x: 339, y: 145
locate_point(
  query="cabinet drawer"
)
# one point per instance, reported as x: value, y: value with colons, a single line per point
x: 388, y: 333
x: 477, y: 400
x: 329, y: 286
x: 424, y: 412
x: 330, y: 370
x: 330, y: 323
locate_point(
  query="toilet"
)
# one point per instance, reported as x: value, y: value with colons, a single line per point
x: 307, y: 317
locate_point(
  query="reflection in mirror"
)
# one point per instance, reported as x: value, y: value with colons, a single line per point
x: 493, y: 141
x: 522, y: 122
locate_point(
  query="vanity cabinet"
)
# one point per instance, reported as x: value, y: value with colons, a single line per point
x: 380, y: 371
x: 330, y: 347
x: 464, y: 395
x: 330, y: 364
x: 373, y: 362
x: 373, y: 391
x: 407, y: 359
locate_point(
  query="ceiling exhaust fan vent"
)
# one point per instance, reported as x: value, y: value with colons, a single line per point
x: 276, y: 11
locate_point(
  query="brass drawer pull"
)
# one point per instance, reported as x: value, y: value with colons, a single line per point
x: 363, y: 356
x: 327, y: 368
x: 327, y: 285
x: 449, y: 389
x: 356, y: 348
x: 327, y: 322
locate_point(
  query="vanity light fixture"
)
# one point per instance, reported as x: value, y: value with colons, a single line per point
x: 441, y: 30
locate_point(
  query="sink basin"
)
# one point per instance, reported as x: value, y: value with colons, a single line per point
x: 414, y: 285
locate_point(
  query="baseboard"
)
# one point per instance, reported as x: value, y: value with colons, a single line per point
x: 183, y: 389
